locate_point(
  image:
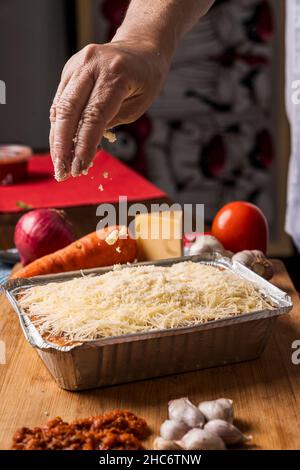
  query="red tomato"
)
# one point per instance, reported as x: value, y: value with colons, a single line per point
x: 241, y: 226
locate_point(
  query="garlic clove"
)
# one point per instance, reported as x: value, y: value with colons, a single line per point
x: 173, y: 430
x: 184, y: 411
x: 229, y: 433
x: 217, y: 409
x: 201, y: 439
x: 163, y: 444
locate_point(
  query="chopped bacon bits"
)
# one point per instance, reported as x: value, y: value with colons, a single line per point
x: 115, y: 430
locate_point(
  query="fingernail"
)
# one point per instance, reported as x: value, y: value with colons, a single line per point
x: 68, y: 165
x: 76, y: 169
x: 60, y: 171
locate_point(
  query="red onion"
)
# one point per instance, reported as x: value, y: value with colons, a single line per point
x: 41, y: 232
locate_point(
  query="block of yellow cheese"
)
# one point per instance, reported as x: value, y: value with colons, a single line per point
x: 159, y: 235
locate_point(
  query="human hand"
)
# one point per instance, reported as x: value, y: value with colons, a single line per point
x: 102, y: 86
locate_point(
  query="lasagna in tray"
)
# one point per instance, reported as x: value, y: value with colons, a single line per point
x: 138, y: 299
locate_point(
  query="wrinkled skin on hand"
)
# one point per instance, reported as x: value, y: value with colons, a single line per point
x: 101, y: 86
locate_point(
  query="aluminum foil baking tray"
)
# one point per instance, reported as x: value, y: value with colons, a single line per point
x: 137, y: 356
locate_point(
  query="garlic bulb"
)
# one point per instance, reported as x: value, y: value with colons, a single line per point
x: 206, y: 244
x: 201, y: 439
x: 163, y: 444
x: 256, y: 261
x: 173, y: 430
x: 184, y: 411
x: 229, y: 433
x: 217, y: 409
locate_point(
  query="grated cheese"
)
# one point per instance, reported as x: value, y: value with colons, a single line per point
x: 129, y: 300
x: 113, y: 237
x: 110, y: 136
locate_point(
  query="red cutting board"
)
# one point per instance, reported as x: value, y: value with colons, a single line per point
x: 41, y: 190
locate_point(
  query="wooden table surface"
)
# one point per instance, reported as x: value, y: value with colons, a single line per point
x: 266, y: 392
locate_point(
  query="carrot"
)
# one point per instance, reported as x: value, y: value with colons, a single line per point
x: 91, y: 251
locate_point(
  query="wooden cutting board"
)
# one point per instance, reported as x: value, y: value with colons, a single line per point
x: 266, y: 392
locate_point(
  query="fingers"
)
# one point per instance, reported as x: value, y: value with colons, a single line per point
x: 132, y: 108
x: 63, y: 83
x: 66, y: 115
x: 104, y: 103
x: 65, y: 78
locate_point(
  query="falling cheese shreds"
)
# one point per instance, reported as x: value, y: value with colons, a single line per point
x: 101, y: 188
x: 123, y: 232
x: 105, y: 174
x: 118, y: 249
x: 138, y: 299
x: 110, y: 136
x: 113, y: 237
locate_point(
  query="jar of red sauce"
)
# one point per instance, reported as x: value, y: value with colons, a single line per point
x: 14, y: 164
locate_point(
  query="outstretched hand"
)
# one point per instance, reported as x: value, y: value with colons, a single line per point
x: 102, y: 86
